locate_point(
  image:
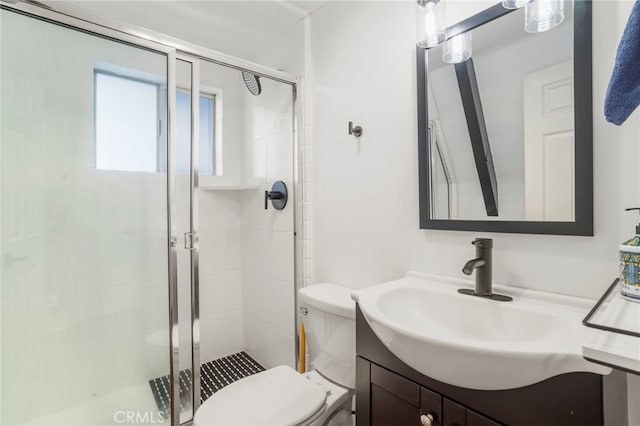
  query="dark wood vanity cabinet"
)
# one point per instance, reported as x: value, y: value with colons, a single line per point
x: 454, y: 414
x: 390, y: 393
x: 395, y: 400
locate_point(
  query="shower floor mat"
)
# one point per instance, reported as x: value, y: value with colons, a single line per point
x: 214, y: 375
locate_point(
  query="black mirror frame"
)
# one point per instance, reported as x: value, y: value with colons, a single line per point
x: 583, y: 115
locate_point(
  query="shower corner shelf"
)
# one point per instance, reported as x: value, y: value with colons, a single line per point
x: 615, y: 337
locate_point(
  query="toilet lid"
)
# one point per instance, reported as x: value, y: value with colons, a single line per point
x: 278, y: 396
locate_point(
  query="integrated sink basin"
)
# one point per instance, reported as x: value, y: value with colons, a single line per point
x: 473, y: 342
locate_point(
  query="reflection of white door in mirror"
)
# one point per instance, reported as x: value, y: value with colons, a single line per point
x: 549, y: 144
x: 444, y: 185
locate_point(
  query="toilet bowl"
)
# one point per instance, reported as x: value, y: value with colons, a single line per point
x: 282, y: 396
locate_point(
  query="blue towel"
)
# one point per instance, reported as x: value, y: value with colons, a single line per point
x: 623, y: 94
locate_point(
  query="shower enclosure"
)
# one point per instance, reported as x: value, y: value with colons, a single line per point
x: 134, y: 239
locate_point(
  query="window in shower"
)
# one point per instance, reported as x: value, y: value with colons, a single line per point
x: 128, y: 126
x: 207, y: 142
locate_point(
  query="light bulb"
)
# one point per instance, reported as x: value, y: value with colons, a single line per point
x: 431, y: 25
x: 543, y: 15
x: 430, y: 22
x: 457, y: 49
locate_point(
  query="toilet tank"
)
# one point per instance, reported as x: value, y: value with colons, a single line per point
x: 330, y: 329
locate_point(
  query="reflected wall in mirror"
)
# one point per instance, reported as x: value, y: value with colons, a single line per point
x: 506, y: 136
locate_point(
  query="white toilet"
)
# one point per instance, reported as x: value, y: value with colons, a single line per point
x: 282, y: 396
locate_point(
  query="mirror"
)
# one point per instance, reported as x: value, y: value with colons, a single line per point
x: 505, y: 137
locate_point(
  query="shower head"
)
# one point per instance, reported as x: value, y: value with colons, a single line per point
x: 252, y: 82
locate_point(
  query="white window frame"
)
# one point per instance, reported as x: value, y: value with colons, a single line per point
x: 216, y: 95
x: 161, y: 162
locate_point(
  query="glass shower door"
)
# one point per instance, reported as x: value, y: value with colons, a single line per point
x: 84, y: 227
x: 246, y: 249
x: 235, y: 258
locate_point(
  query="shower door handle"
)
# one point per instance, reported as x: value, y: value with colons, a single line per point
x: 189, y: 238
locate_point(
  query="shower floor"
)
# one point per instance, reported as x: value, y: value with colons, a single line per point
x: 214, y: 375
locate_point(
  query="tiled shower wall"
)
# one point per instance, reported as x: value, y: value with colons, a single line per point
x: 221, y: 225
x: 220, y: 274
x: 247, y: 284
x: 268, y: 285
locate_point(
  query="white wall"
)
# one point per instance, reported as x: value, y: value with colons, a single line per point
x: 366, y: 192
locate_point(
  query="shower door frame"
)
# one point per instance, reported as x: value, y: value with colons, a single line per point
x: 194, y: 61
x: 194, y: 187
x: 176, y: 49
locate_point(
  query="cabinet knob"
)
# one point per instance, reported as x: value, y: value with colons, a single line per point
x: 426, y: 420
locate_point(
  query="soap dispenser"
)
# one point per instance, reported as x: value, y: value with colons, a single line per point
x: 630, y: 265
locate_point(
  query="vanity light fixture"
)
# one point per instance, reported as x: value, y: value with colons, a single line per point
x: 457, y: 49
x: 430, y: 22
x: 543, y: 15
x: 514, y: 4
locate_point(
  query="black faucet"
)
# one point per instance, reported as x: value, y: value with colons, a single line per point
x: 482, y: 264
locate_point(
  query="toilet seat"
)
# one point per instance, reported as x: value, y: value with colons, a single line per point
x: 278, y: 396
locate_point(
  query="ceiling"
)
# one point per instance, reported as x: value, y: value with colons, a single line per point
x: 242, y: 28
x: 301, y: 6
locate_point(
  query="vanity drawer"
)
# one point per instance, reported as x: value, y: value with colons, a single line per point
x: 399, y: 401
x: 458, y: 415
x: 394, y: 399
x: 388, y: 409
x: 406, y: 390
